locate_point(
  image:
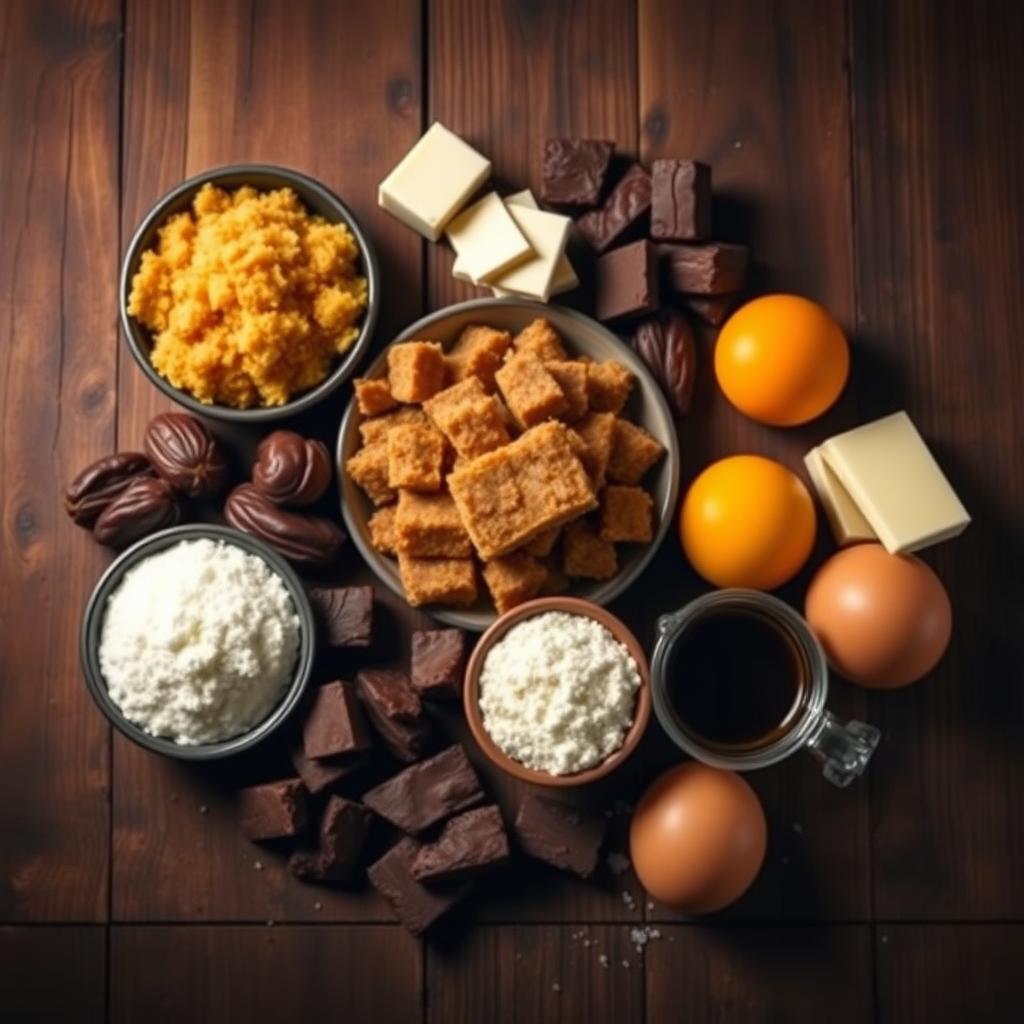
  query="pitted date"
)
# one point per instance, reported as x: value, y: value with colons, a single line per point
x: 147, y: 505
x: 99, y: 484
x: 185, y: 454
x: 667, y: 345
x: 301, y: 538
x: 291, y: 470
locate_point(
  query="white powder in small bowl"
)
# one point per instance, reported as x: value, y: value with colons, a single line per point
x: 199, y: 642
x: 557, y: 693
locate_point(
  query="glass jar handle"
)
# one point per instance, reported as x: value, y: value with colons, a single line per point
x: 844, y: 748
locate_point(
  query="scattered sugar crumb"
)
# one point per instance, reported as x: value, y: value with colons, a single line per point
x: 641, y: 936
x: 257, y: 865
x: 625, y: 963
x: 617, y: 862
x: 203, y: 809
x: 270, y: 923
x: 627, y: 899
x: 318, y: 905
x: 650, y: 905
x: 556, y: 987
x: 603, y: 961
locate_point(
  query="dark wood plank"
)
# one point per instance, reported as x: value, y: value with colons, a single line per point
x: 525, y: 973
x: 257, y: 973
x: 58, y: 216
x: 765, y: 974
x: 309, y: 86
x: 760, y: 93
x: 949, y: 972
x: 938, y: 168
x: 55, y: 973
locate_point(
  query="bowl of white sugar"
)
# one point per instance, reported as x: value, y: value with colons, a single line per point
x: 198, y: 642
x: 558, y: 692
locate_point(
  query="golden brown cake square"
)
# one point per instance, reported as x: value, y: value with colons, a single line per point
x: 597, y: 429
x: 478, y: 352
x: 437, y: 580
x: 530, y: 392
x: 382, y: 530
x: 416, y: 370
x: 513, y: 579
x: 415, y: 457
x: 373, y: 396
x: 634, y: 452
x: 543, y: 544
x: 571, y: 377
x: 585, y: 555
x: 626, y: 515
x: 376, y: 429
x: 471, y: 419
x: 539, y: 338
x: 429, y: 526
x: 608, y: 386
x: 369, y: 469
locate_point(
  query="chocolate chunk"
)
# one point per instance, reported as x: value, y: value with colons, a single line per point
x: 680, y: 199
x: 574, y: 170
x: 468, y: 845
x: 335, y: 723
x: 564, y: 836
x: 343, y: 831
x: 627, y: 282
x: 428, y: 792
x: 712, y: 309
x: 395, y: 711
x: 713, y: 269
x: 416, y: 906
x: 625, y: 208
x: 320, y: 774
x: 273, y: 810
x: 438, y: 661
x: 667, y: 345
x: 344, y: 615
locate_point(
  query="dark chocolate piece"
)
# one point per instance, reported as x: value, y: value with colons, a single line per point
x: 273, y: 810
x: 563, y: 836
x: 416, y: 906
x: 395, y: 711
x: 428, y: 792
x: 344, y: 614
x: 335, y: 723
x: 574, y: 170
x: 712, y: 309
x: 667, y: 345
x: 680, y: 200
x: 712, y: 269
x: 626, y: 207
x: 437, y: 662
x: 318, y: 775
x: 627, y: 282
x: 343, y: 831
x: 468, y: 845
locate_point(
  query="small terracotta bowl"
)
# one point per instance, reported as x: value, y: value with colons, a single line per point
x: 471, y: 690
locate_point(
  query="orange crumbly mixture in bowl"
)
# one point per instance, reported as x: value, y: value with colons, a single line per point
x: 250, y: 298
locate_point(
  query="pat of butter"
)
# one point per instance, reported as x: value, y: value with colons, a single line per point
x: 846, y: 520
x: 487, y: 239
x: 547, y: 234
x: 433, y: 181
x: 895, y: 481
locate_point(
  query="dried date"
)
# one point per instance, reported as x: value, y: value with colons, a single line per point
x: 301, y: 538
x: 185, y: 454
x: 99, y: 484
x: 291, y: 470
x: 667, y: 345
x: 148, y: 505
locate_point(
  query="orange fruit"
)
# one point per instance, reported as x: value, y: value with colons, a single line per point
x: 781, y: 360
x: 747, y: 521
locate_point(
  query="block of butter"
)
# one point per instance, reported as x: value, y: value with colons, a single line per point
x: 846, y: 520
x: 487, y: 239
x: 433, y: 181
x: 895, y: 481
x: 547, y: 234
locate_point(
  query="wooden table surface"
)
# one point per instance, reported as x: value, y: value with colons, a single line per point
x: 871, y: 154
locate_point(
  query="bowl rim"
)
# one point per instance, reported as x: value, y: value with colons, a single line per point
x: 157, y: 213
x: 92, y: 620
x: 600, y: 593
x: 471, y: 690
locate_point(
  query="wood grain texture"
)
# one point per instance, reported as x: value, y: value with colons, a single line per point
x: 939, y: 227
x: 949, y: 972
x: 760, y: 93
x: 56, y: 973
x: 522, y: 974
x: 59, y: 78
x: 235, y: 973
x: 763, y: 974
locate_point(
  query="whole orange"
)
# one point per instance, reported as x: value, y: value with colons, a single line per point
x: 747, y: 521
x: 781, y: 360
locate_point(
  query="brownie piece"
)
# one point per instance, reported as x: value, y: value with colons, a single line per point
x: 680, y: 199
x: 438, y: 661
x: 428, y: 792
x: 712, y: 309
x: 343, y: 831
x: 566, y: 837
x: 344, y: 614
x: 627, y: 282
x: 468, y: 845
x: 335, y: 723
x: 625, y: 209
x: 395, y: 711
x: 320, y: 774
x: 273, y: 810
x: 574, y: 170
x: 416, y: 906
x: 712, y: 269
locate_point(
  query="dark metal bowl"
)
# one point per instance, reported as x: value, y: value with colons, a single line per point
x: 92, y: 622
x: 317, y: 199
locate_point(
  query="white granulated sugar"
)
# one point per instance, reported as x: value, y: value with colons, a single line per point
x: 199, y: 642
x: 557, y: 693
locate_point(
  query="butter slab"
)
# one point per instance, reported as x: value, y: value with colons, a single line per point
x: 487, y: 239
x: 846, y: 520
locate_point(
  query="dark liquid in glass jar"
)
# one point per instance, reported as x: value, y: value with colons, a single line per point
x: 736, y: 679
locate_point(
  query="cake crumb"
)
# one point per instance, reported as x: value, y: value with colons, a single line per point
x: 257, y: 865
x: 603, y: 960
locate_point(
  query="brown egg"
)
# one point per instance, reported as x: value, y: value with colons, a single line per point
x: 884, y: 620
x: 697, y: 838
